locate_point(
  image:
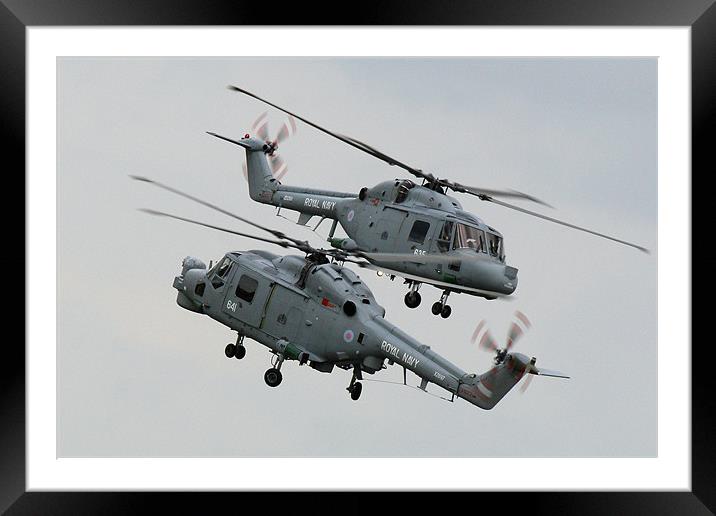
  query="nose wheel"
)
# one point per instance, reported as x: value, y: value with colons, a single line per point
x: 412, y: 298
x: 441, y: 307
x: 236, y: 350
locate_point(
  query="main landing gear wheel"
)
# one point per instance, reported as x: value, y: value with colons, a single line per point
x: 355, y: 387
x: 236, y: 350
x: 355, y: 391
x: 440, y: 307
x: 273, y: 377
x: 412, y: 298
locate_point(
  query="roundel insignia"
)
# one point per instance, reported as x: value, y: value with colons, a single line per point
x: 350, y: 216
x: 348, y: 335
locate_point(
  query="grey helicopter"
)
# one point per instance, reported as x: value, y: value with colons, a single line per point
x: 314, y: 310
x: 398, y: 217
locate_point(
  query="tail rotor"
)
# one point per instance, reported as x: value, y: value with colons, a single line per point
x: 260, y: 128
x: 519, y: 326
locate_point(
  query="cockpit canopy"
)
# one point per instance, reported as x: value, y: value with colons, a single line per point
x: 463, y: 236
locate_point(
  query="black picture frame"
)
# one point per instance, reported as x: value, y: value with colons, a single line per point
x: 700, y: 15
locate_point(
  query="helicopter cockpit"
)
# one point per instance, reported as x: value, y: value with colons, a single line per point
x: 470, y: 237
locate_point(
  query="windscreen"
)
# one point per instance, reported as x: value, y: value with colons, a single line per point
x: 468, y: 237
x: 219, y: 272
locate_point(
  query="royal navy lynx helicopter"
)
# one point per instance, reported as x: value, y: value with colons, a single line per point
x: 316, y: 311
x: 465, y: 254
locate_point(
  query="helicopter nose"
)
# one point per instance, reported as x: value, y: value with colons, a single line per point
x: 190, y: 287
x: 191, y: 270
x: 493, y: 276
x: 510, y: 276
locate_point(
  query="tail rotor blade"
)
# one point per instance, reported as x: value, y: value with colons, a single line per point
x: 278, y: 166
x: 475, y: 333
x: 260, y: 126
x: 245, y: 171
x: 517, y: 329
x: 525, y: 385
x: 483, y: 337
x: 287, y: 129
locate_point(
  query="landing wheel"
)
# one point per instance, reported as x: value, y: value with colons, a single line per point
x: 230, y: 350
x: 240, y: 351
x: 356, y: 390
x: 446, y: 311
x: 273, y: 377
x: 437, y: 308
x: 412, y: 299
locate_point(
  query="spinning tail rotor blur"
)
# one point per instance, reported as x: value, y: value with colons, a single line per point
x: 260, y: 128
x: 483, y: 338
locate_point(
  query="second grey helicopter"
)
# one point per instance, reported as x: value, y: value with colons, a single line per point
x: 453, y: 250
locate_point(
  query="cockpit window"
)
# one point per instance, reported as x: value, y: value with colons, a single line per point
x: 494, y: 245
x: 445, y: 236
x: 403, y: 189
x: 468, y: 237
x: 224, y: 268
x: 219, y: 272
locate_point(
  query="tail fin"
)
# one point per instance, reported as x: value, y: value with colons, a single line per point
x: 486, y: 390
x: 262, y: 184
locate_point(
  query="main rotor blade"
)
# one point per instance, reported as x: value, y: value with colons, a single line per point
x: 487, y: 192
x: 277, y: 234
x: 563, y: 223
x: 350, y: 141
x: 283, y: 244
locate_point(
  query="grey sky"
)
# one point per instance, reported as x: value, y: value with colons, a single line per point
x: 139, y: 376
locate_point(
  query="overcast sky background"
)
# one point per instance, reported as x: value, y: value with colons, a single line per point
x: 139, y: 376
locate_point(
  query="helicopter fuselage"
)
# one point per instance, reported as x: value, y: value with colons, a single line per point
x: 323, y: 315
x: 401, y: 217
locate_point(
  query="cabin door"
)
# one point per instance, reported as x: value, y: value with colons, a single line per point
x: 246, y: 296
